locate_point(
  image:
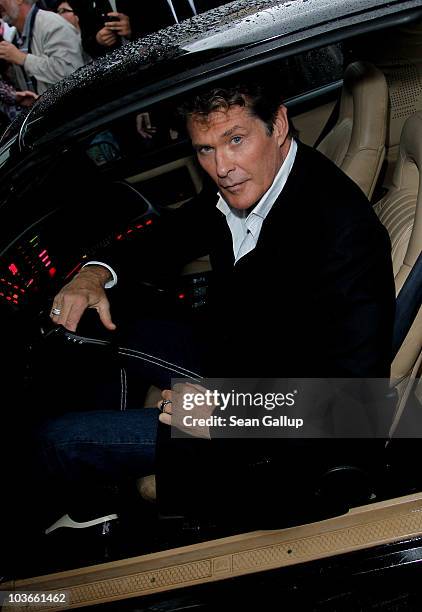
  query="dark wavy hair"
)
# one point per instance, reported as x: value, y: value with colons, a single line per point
x: 262, y: 99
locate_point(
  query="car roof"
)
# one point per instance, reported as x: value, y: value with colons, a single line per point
x: 208, y: 46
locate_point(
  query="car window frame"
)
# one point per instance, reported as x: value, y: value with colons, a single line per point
x: 230, y: 63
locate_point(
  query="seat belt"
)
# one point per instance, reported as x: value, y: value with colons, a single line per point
x: 331, y: 121
x: 408, y: 302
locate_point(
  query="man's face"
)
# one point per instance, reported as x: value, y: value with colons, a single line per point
x: 235, y: 149
x: 9, y: 11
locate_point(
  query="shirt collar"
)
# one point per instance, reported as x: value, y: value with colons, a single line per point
x: 266, y: 202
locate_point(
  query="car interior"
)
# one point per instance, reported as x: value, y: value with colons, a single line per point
x: 359, y: 101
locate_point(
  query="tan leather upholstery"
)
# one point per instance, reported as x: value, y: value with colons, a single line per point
x: 401, y: 213
x: 311, y: 123
x: 357, y: 141
x: 398, y: 53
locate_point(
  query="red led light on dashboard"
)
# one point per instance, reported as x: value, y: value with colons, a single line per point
x: 13, y: 269
x: 75, y: 269
x: 52, y: 272
x: 149, y: 222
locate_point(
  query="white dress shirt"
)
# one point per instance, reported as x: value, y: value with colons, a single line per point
x: 245, y: 227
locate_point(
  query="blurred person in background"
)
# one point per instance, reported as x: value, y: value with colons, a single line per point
x: 11, y: 101
x: 49, y: 48
x: 66, y: 11
x: 107, y: 24
x: 9, y: 96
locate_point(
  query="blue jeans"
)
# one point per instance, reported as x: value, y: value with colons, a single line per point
x: 92, y: 447
x: 100, y: 447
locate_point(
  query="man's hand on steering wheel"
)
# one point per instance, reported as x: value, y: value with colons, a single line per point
x: 85, y: 290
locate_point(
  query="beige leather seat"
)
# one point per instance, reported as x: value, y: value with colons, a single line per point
x: 357, y: 141
x: 401, y: 213
x: 398, y: 53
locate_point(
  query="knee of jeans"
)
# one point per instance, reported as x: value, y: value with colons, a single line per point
x: 59, y: 430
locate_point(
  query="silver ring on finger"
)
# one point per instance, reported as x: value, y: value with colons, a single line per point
x: 163, y: 404
x: 56, y: 311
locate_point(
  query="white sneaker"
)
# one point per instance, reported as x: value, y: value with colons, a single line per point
x: 66, y: 521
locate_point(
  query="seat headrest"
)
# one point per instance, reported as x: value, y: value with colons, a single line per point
x: 365, y: 101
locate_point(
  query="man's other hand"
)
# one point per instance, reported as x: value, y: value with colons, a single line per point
x: 106, y: 37
x: 121, y: 27
x: 11, y: 54
x: 84, y: 291
x: 179, y: 409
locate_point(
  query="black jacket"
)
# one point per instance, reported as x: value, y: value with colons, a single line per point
x: 144, y: 18
x: 315, y: 298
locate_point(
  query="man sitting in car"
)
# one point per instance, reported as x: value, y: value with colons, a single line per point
x: 302, y: 276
